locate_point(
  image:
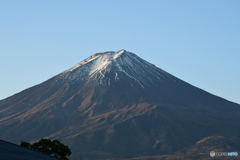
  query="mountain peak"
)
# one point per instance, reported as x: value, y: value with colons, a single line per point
x: 111, y: 55
x: 117, y: 64
x: 101, y: 57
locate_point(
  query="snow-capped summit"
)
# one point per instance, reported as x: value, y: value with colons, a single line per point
x: 110, y: 66
x: 100, y: 60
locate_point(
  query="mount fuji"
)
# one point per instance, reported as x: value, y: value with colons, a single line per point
x: 117, y: 105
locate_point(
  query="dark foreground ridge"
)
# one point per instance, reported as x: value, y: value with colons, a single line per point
x: 117, y: 105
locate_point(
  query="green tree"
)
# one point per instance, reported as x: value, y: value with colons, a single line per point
x: 51, y: 147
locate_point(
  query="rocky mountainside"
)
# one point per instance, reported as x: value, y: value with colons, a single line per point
x: 117, y: 105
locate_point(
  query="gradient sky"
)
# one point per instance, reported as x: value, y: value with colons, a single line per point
x: 197, y: 41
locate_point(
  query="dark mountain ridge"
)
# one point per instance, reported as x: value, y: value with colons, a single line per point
x: 115, y: 104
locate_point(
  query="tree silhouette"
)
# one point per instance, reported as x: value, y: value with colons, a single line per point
x: 51, y: 147
x: 25, y: 144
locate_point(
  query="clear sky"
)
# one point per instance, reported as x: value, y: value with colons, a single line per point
x: 197, y: 41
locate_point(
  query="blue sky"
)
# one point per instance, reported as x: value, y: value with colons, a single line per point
x: 197, y: 41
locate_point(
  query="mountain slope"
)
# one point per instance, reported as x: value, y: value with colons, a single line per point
x: 115, y: 104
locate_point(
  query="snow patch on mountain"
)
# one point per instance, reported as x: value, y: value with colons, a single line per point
x: 118, y: 54
x: 84, y: 62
